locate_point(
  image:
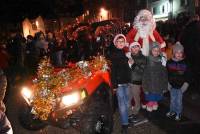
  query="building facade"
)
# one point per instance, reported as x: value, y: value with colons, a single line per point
x: 167, y: 9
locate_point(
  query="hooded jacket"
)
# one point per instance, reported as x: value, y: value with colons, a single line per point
x: 120, y: 70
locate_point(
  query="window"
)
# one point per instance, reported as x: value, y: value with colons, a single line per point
x: 156, y: 10
x: 163, y: 9
x: 184, y: 2
x: 34, y: 26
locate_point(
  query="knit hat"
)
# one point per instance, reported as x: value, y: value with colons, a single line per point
x: 154, y: 45
x: 178, y: 47
x: 133, y: 45
x: 117, y: 36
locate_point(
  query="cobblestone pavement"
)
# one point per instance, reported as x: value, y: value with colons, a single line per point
x: 157, y: 124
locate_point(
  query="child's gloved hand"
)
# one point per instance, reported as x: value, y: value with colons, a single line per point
x: 164, y: 61
x: 184, y: 87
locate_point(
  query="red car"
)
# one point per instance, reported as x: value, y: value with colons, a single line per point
x: 85, y: 103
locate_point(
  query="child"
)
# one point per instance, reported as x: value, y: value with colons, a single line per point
x: 120, y: 77
x: 178, y: 80
x: 137, y: 63
x: 154, y: 78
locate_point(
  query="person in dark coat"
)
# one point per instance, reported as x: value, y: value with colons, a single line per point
x: 155, y: 78
x: 190, y: 40
x: 137, y: 63
x: 30, y: 60
x: 120, y: 77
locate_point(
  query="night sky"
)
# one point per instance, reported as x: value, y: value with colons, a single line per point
x: 17, y: 10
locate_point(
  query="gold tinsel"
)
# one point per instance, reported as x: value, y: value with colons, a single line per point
x: 99, y: 63
x: 47, y: 88
x: 48, y: 83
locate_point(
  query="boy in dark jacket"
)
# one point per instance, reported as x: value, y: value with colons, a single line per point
x: 137, y: 63
x: 120, y: 77
x: 177, y: 80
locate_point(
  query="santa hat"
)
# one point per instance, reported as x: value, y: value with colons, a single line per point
x: 178, y: 47
x: 133, y: 45
x: 117, y: 36
x: 145, y: 12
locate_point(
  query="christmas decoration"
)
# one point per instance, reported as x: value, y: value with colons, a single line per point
x: 46, y: 88
x: 99, y: 63
x: 48, y: 84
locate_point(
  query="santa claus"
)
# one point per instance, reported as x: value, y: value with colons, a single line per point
x: 144, y: 32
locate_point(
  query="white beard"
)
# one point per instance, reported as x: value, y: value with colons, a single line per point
x: 144, y: 31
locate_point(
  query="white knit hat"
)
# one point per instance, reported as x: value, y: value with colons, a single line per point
x: 178, y: 47
x: 117, y: 36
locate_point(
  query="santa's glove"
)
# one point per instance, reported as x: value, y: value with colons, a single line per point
x: 184, y: 87
x: 169, y: 86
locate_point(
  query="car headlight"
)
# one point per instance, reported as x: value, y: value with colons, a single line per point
x: 73, y: 98
x: 27, y: 94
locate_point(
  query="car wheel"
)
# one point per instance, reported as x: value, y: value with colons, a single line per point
x: 98, y: 118
x: 28, y: 120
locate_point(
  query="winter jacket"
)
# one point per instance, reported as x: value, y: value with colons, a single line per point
x: 177, y: 73
x: 155, y: 76
x: 120, y: 70
x: 138, y: 68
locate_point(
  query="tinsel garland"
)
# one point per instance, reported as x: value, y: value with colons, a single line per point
x: 48, y: 83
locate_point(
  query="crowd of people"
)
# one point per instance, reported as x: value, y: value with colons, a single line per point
x: 143, y: 63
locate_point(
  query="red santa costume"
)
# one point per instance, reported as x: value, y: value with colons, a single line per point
x: 144, y: 32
